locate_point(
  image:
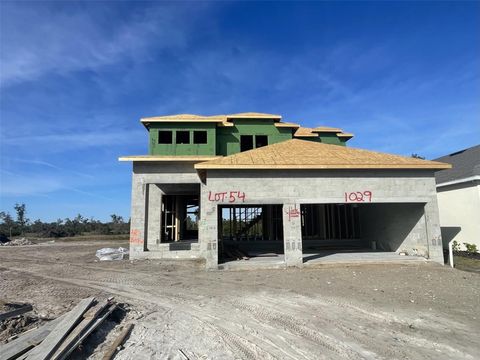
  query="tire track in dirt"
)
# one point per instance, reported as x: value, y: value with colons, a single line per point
x: 295, y: 327
x: 240, y: 343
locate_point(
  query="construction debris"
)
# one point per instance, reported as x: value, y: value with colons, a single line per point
x: 108, y: 254
x: 18, y: 309
x: 110, y: 353
x: 58, y: 338
x: 17, y: 242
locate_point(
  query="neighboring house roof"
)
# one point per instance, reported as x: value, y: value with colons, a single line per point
x: 466, y: 166
x: 304, y: 154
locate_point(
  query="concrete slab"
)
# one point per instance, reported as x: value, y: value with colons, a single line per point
x: 255, y: 263
x: 356, y: 257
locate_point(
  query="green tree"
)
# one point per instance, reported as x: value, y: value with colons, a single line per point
x: 22, y: 220
x: 416, y: 156
x: 116, y: 219
x: 7, y: 224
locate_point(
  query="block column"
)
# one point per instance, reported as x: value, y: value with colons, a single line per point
x: 154, y: 216
x: 292, y: 235
x: 208, y: 230
x: 433, y: 230
x: 138, y: 215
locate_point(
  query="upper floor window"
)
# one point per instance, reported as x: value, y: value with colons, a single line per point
x: 247, y: 142
x: 199, y: 137
x: 164, y: 137
x: 261, y: 140
x: 183, y: 137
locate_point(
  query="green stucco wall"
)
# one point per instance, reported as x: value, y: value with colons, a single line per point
x: 228, y: 138
x: 182, y: 149
x: 326, y: 138
x: 225, y: 140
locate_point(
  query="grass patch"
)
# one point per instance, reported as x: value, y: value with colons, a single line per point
x: 466, y: 263
x: 93, y: 237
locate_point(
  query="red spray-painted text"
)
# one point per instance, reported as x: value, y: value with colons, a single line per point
x: 358, y: 196
x: 230, y: 196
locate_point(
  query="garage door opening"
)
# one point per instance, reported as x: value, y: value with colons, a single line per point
x: 250, y: 231
x: 394, y: 228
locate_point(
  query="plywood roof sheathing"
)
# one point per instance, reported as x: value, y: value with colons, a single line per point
x: 304, y: 132
x: 287, y: 125
x: 327, y: 129
x: 304, y: 154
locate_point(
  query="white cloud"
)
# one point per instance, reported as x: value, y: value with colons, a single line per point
x: 63, y: 142
x: 37, y: 39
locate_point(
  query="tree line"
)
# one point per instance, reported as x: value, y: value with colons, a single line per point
x: 79, y: 225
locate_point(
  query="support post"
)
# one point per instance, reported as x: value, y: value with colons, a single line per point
x: 154, y: 217
x: 434, y: 235
x: 137, y: 221
x: 292, y: 235
x: 208, y: 230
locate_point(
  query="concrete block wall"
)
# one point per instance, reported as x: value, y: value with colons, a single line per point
x: 146, y: 202
x: 294, y: 187
x: 395, y: 227
x: 287, y: 187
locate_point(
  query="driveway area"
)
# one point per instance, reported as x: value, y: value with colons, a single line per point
x: 385, y: 311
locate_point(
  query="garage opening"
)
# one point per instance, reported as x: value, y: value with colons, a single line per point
x: 250, y: 231
x: 363, y: 228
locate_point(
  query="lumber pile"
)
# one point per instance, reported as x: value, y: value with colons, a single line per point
x: 58, y: 338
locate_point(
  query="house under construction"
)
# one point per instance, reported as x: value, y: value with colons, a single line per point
x: 247, y: 186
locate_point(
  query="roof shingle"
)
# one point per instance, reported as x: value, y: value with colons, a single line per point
x: 466, y: 164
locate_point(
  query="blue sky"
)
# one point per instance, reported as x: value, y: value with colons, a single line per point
x: 75, y: 78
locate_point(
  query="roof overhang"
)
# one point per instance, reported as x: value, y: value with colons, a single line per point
x: 253, y: 115
x: 317, y: 166
x: 460, y: 181
x: 163, y: 158
x: 345, y: 135
x: 287, y: 125
x: 324, y: 129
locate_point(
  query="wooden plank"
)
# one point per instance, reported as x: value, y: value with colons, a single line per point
x: 72, y: 338
x: 110, y: 353
x: 12, y: 313
x: 53, y: 340
x: 25, y: 342
x: 89, y: 330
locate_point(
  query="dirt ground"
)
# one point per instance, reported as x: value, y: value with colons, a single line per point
x: 415, y: 311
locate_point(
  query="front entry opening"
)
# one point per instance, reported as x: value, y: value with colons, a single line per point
x: 180, y: 214
x: 250, y: 231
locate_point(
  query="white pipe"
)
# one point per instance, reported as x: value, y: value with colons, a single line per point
x: 450, y: 252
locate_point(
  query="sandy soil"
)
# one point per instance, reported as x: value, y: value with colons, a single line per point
x: 415, y: 311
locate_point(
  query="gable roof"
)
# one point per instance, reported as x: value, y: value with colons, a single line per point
x: 466, y: 165
x: 304, y: 154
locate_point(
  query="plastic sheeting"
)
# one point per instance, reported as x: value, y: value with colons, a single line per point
x: 109, y: 254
